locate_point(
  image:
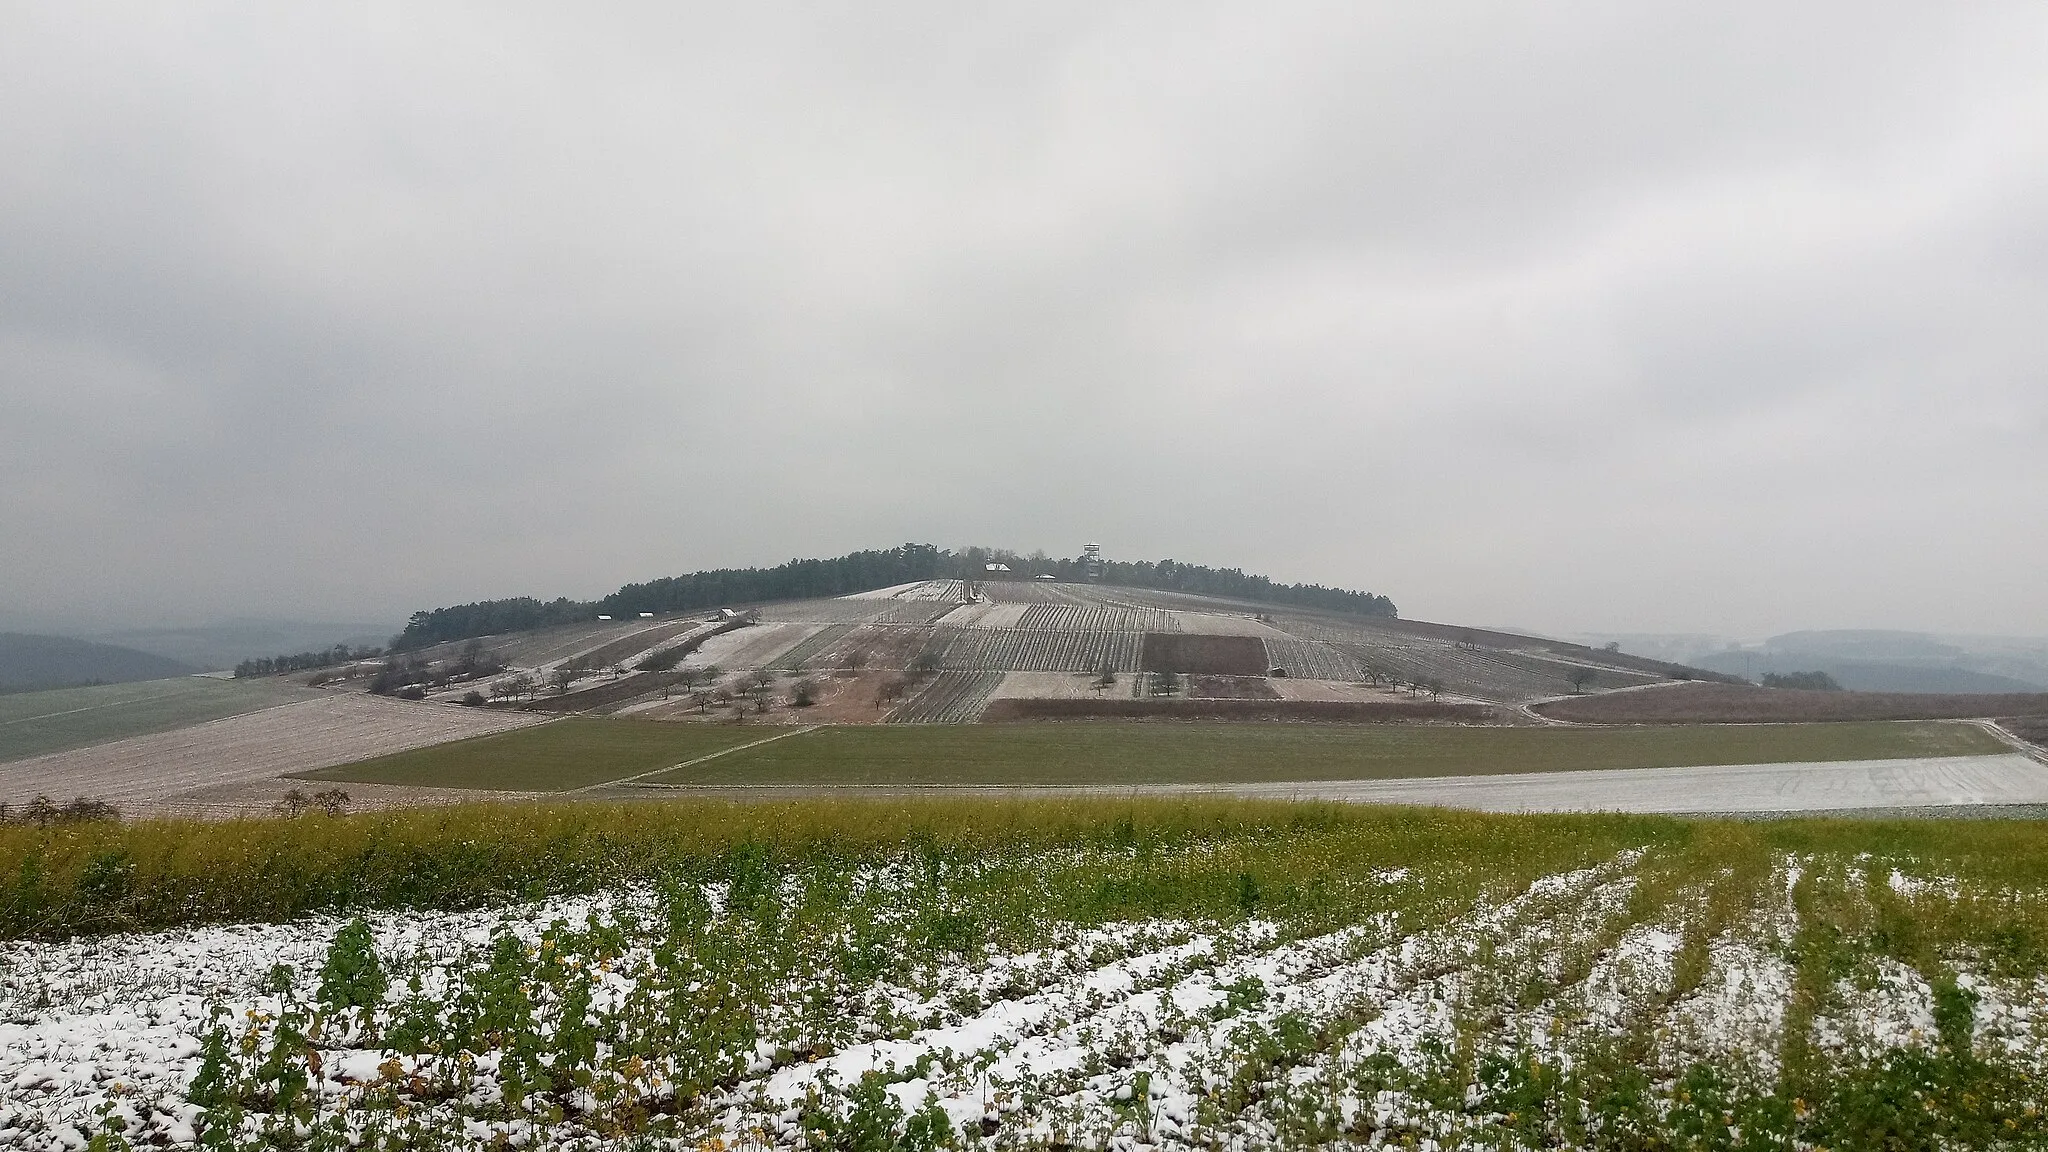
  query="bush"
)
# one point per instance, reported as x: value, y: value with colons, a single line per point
x: 662, y: 660
x: 41, y: 812
x: 1811, y: 681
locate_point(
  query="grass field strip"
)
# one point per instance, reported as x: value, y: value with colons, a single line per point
x: 1705, y: 994
x: 636, y: 780
x: 89, y: 708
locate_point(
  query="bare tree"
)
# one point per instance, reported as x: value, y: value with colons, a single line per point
x: 1581, y: 677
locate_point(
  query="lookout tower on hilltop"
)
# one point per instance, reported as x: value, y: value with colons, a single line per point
x: 1091, y: 562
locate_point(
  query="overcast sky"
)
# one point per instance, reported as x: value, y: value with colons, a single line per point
x: 1716, y: 317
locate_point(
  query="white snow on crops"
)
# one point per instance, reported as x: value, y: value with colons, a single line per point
x: 708, y: 1012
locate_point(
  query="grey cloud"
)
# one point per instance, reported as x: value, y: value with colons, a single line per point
x: 1588, y: 317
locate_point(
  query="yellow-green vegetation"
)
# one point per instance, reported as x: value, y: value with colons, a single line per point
x: 98, y: 876
x: 581, y: 752
x: 553, y: 757
x: 35, y: 723
x: 967, y: 974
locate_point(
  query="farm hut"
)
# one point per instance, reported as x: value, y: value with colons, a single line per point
x: 647, y: 615
x: 1045, y: 576
x: 995, y: 568
x: 604, y: 617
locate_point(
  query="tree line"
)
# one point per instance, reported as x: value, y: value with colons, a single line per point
x: 303, y: 661
x: 860, y: 572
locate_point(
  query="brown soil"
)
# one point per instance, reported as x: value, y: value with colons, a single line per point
x: 1203, y: 655
x: 635, y: 644
x: 1230, y: 688
x: 881, y: 647
x: 1738, y: 703
x: 2032, y: 729
x: 617, y: 692
x: 1326, y: 711
x: 844, y: 698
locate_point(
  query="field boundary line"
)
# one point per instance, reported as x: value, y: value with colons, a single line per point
x: 95, y: 707
x: 693, y: 763
x: 2018, y: 744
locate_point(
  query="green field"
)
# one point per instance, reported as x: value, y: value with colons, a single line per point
x: 555, y: 757
x: 1181, y: 975
x: 35, y: 723
x: 581, y: 752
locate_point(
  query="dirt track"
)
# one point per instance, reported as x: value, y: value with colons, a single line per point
x: 1977, y: 781
x: 152, y: 773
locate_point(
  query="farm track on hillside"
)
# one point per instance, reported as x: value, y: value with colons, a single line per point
x: 1740, y: 704
x: 951, y: 698
x: 144, y: 773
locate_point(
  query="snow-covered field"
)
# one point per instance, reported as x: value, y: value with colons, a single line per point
x: 1924, y: 782
x: 149, y: 773
x: 867, y: 1008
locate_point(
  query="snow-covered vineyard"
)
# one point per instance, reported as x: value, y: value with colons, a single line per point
x: 865, y: 1007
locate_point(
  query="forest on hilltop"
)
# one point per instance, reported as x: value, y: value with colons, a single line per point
x: 859, y: 572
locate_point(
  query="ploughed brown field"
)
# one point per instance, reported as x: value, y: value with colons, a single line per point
x: 1326, y: 711
x: 1741, y: 703
x: 1203, y: 655
x: 2031, y: 728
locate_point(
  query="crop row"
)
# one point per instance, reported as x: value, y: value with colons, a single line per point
x: 1312, y: 660
x: 950, y: 698
x: 815, y: 645
x: 1035, y: 650
x: 842, y: 611
x: 1075, y: 618
x: 1318, y: 988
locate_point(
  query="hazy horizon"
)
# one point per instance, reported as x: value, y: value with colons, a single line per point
x: 1700, y: 318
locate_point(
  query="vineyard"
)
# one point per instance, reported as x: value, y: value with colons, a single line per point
x: 1313, y: 660
x: 1033, y: 650
x: 817, y: 644
x: 950, y: 698
x: 1076, y: 618
x: 848, y: 611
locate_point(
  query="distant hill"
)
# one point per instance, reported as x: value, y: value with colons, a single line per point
x: 226, y: 643
x: 1884, y: 661
x: 865, y: 571
x: 30, y: 662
